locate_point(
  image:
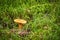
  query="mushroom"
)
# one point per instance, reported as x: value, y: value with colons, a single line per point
x: 20, y: 22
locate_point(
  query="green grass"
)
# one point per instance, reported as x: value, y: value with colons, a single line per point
x: 42, y: 16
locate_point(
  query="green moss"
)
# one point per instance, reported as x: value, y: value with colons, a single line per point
x: 43, y: 18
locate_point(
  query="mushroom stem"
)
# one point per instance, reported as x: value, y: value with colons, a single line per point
x: 20, y: 26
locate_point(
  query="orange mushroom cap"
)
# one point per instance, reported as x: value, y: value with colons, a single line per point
x: 21, y: 21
